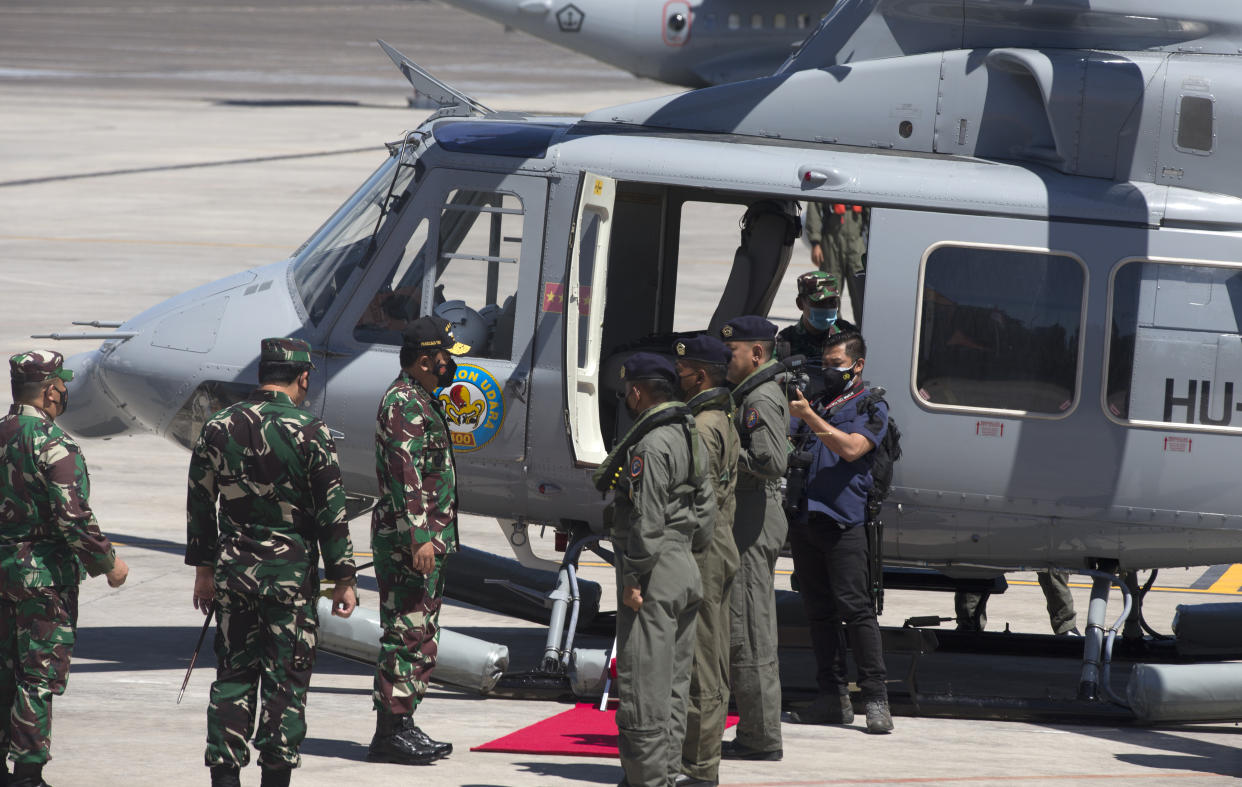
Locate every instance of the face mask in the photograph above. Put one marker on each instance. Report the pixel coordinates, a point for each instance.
(821, 319)
(445, 373)
(837, 380)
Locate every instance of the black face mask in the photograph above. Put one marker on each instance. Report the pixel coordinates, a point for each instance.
(836, 381)
(445, 373)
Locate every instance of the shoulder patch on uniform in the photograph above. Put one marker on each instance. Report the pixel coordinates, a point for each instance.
(636, 467)
(751, 419)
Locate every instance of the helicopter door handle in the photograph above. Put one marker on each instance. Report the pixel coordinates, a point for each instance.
(517, 387)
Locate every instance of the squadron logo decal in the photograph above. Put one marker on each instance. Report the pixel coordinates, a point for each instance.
(752, 418)
(569, 19)
(636, 467)
(474, 407)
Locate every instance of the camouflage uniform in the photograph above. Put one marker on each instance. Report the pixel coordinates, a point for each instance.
(418, 504)
(718, 563)
(274, 470)
(803, 339)
(841, 232)
(48, 540)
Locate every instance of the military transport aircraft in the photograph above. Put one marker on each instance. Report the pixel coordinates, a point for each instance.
(684, 42)
(1054, 297)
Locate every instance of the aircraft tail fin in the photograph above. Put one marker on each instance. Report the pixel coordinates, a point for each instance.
(450, 100)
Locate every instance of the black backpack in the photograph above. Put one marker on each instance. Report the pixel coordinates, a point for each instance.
(887, 453)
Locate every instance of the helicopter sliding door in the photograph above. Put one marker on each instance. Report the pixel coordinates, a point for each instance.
(584, 317)
(465, 248)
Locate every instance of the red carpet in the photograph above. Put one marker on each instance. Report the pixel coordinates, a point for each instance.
(584, 731)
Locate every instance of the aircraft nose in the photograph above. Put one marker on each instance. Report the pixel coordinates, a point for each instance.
(94, 410)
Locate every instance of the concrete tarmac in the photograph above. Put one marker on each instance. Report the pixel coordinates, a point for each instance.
(149, 147)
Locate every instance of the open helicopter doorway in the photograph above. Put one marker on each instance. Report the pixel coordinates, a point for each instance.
(637, 281)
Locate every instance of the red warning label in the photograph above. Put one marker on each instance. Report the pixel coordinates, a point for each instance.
(990, 428)
(1177, 445)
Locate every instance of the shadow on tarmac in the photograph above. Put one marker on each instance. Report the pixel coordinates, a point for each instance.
(1188, 754)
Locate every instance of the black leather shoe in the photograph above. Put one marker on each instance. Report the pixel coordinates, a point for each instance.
(442, 748)
(732, 750)
(879, 718)
(27, 775)
(393, 742)
(825, 710)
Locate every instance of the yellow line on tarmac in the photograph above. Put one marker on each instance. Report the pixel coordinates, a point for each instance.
(1229, 582)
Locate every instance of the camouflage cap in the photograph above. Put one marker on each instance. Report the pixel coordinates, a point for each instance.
(36, 366)
(818, 286)
(433, 333)
(287, 350)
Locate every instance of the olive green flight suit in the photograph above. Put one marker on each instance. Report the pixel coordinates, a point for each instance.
(662, 510)
(709, 677)
(842, 237)
(759, 528)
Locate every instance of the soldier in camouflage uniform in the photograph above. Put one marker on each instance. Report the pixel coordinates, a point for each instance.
(759, 527)
(702, 369)
(819, 300)
(662, 512)
(48, 540)
(413, 530)
(274, 471)
(838, 238)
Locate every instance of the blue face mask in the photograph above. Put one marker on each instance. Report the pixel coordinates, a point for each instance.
(821, 319)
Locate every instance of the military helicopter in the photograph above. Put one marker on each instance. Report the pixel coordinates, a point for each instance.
(684, 42)
(1054, 294)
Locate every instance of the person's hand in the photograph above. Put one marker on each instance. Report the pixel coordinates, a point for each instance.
(799, 408)
(632, 598)
(817, 254)
(119, 573)
(344, 598)
(204, 588)
(425, 559)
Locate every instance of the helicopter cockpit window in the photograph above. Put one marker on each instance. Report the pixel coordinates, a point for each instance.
(476, 272)
(1000, 330)
(399, 301)
(326, 262)
(1174, 350)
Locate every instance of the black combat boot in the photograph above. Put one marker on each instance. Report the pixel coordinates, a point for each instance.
(27, 774)
(394, 743)
(276, 777)
(225, 776)
(441, 748)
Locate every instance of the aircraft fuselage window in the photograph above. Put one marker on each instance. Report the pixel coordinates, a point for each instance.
(337, 249)
(735, 22)
(474, 281)
(399, 301)
(779, 22)
(1000, 329)
(756, 21)
(1175, 345)
(804, 21)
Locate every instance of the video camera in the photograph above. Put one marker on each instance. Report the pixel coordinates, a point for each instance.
(797, 377)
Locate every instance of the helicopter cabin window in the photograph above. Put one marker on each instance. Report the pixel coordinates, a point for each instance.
(1175, 345)
(473, 283)
(399, 301)
(1000, 329)
(325, 262)
(1195, 125)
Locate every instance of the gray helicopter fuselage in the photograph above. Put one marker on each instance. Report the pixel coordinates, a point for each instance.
(1053, 291)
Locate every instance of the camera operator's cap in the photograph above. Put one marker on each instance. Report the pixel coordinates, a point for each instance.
(703, 348)
(750, 328)
(648, 366)
(818, 286)
(35, 366)
(433, 333)
(287, 350)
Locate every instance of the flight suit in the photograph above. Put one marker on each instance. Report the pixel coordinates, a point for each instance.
(709, 676)
(759, 528)
(418, 504)
(840, 231)
(662, 511)
(48, 539)
(273, 468)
